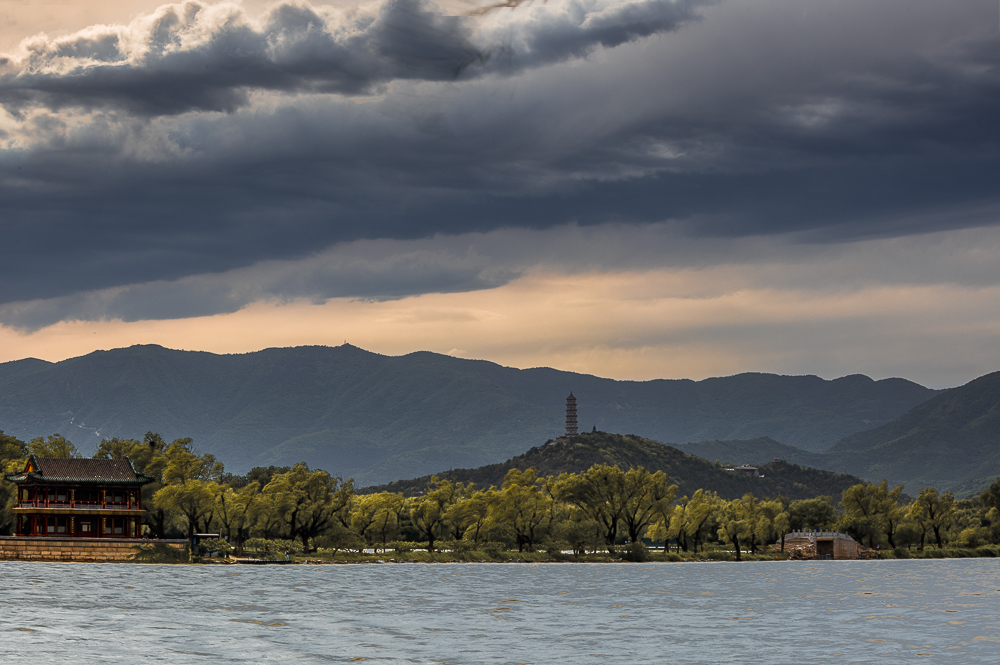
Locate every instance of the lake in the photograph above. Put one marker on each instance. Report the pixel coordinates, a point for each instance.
(768, 612)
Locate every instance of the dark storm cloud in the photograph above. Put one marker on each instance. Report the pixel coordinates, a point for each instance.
(377, 271)
(859, 119)
(199, 57)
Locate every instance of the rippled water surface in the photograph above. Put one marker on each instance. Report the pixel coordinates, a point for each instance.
(780, 612)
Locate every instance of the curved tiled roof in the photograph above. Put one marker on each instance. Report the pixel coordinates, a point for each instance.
(79, 469)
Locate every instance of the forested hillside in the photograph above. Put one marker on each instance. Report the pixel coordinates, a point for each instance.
(951, 442)
(754, 451)
(379, 418)
(690, 473)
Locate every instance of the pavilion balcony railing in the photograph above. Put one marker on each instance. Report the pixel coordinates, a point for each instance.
(81, 505)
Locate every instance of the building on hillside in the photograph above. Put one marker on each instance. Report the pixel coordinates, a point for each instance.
(571, 429)
(747, 470)
(78, 498)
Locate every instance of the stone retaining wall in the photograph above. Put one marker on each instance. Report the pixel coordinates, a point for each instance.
(19, 548)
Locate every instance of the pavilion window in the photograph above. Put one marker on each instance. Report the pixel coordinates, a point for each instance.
(61, 494)
(86, 527)
(118, 526)
(61, 524)
(50, 524)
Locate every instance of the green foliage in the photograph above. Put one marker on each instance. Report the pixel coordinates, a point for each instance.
(338, 537)
(189, 485)
(525, 506)
(872, 513)
(404, 546)
(309, 503)
(636, 553)
(817, 513)
(212, 545)
(12, 448)
(934, 513)
(271, 548)
(159, 553)
(376, 517)
(13, 454)
(56, 445)
(737, 521)
(429, 513)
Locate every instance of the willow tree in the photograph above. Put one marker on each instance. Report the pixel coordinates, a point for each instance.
(872, 511)
(737, 521)
(618, 500)
(649, 496)
(429, 512)
(233, 508)
(525, 506)
(310, 501)
(190, 484)
(470, 514)
(934, 512)
(698, 516)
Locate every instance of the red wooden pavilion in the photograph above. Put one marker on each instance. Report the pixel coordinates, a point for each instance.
(79, 497)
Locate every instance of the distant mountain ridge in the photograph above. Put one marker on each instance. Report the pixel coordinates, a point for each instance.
(950, 442)
(378, 418)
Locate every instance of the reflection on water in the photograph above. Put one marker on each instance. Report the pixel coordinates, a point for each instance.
(773, 612)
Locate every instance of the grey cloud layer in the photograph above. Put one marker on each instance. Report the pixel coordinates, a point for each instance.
(211, 57)
(390, 269)
(826, 121)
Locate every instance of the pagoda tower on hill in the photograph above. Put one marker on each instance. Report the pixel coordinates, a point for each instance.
(571, 415)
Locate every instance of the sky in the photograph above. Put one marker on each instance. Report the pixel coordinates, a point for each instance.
(635, 189)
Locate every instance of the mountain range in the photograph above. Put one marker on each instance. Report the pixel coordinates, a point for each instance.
(950, 442)
(379, 418)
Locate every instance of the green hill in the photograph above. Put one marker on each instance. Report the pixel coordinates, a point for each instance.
(378, 418)
(951, 442)
(689, 472)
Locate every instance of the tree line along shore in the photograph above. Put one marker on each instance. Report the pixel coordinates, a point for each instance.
(604, 513)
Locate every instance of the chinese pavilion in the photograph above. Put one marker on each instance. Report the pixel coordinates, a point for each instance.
(79, 498)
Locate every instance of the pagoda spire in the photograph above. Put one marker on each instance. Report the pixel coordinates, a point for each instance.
(571, 415)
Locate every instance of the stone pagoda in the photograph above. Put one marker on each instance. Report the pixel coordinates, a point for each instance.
(570, 416)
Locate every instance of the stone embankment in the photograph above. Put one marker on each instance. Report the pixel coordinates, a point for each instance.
(93, 550)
